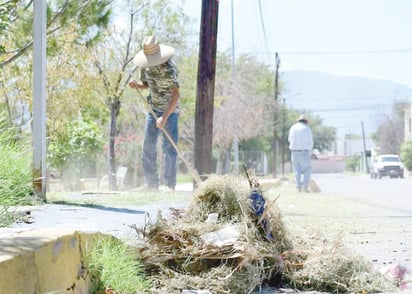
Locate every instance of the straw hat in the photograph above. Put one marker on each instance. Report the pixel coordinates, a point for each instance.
(153, 53)
(302, 118)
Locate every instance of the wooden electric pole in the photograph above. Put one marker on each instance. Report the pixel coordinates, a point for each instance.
(276, 122)
(206, 88)
(283, 137)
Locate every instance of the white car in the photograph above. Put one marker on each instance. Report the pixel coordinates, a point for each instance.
(387, 165)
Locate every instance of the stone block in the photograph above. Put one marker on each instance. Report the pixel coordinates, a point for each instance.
(45, 261)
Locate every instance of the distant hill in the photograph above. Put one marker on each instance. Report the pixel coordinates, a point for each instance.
(343, 102)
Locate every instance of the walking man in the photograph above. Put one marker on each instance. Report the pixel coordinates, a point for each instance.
(301, 145)
(159, 74)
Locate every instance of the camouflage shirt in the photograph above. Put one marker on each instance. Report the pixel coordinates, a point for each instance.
(161, 79)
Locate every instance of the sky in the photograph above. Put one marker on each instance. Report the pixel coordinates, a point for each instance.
(365, 38)
(352, 38)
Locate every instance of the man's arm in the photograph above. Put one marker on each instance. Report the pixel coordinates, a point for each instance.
(161, 121)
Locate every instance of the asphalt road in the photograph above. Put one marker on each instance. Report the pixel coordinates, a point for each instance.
(395, 194)
(381, 226)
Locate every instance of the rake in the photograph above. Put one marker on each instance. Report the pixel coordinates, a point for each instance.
(192, 170)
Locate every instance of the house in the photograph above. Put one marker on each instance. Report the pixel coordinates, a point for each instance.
(408, 123)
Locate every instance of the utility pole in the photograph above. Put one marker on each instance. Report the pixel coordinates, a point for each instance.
(39, 98)
(235, 140)
(276, 123)
(206, 88)
(364, 149)
(283, 136)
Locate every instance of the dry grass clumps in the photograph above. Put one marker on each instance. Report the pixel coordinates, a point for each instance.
(231, 255)
(319, 264)
(243, 249)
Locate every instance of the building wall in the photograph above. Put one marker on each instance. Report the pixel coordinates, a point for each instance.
(353, 146)
(408, 123)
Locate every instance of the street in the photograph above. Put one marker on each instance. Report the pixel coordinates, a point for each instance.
(395, 194)
(379, 223)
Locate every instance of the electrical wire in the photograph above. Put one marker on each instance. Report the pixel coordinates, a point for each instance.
(355, 52)
(262, 23)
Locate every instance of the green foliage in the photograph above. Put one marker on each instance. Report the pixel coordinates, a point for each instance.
(187, 66)
(112, 264)
(258, 75)
(352, 162)
(323, 136)
(127, 150)
(6, 17)
(76, 149)
(67, 21)
(406, 154)
(164, 18)
(6, 10)
(15, 175)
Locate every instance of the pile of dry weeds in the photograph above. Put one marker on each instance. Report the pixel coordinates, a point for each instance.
(320, 264)
(243, 249)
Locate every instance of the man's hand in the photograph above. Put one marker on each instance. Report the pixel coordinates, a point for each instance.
(161, 122)
(135, 85)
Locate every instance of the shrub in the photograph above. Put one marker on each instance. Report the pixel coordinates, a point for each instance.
(15, 175)
(75, 150)
(112, 264)
(406, 154)
(352, 162)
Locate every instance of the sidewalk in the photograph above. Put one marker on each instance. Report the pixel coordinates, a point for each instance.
(372, 232)
(111, 219)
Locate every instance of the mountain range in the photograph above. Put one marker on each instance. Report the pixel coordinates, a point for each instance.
(345, 102)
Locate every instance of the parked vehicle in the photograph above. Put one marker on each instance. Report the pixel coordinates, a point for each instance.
(387, 165)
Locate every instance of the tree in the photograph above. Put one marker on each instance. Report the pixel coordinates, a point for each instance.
(7, 15)
(85, 17)
(243, 105)
(244, 108)
(406, 154)
(70, 85)
(187, 80)
(323, 136)
(70, 26)
(390, 132)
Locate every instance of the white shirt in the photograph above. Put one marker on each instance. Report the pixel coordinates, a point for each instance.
(300, 137)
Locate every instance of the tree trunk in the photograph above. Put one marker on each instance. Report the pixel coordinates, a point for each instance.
(114, 112)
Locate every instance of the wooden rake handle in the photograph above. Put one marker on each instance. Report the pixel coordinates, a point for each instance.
(192, 170)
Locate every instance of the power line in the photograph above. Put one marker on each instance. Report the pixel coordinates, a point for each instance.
(317, 98)
(262, 23)
(355, 52)
(357, 108)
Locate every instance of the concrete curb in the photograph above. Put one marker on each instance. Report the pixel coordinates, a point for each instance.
(45, 261)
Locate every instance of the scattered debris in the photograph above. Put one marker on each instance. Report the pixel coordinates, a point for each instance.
(398, 274)
(25, 217)
(232, 239)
